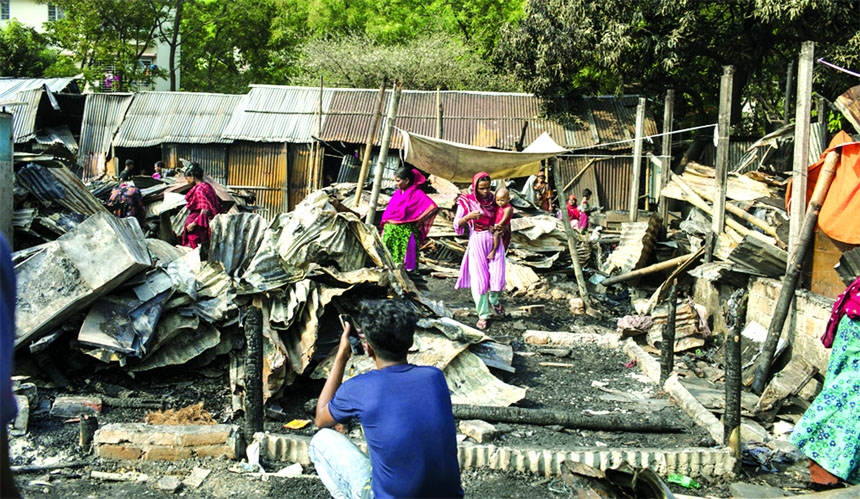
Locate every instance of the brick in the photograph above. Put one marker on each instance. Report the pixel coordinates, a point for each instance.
(205, 435)
(478, 430)
(163, 436)
(533, 309)
(171, 453)
(122, 452)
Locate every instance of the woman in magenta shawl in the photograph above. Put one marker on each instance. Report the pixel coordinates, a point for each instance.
(408, 217)
(202, 203)
(486, 278)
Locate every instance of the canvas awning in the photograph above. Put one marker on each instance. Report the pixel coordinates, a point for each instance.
(459, 162)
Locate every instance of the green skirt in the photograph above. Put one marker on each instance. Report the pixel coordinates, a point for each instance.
(396, 239)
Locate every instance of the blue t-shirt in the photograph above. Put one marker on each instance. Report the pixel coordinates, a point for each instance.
(8, 408)
(408, 422)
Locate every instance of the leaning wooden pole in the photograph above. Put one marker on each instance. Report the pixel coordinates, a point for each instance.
(718, 218)
(657, 267)
(368, 146)
(789, 284)
(383, 152)
(571, 243)
(667, 346)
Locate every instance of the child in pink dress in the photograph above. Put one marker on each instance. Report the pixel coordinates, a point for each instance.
(502, 224)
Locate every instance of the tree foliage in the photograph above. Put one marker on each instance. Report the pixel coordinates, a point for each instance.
(229, 45)
(646, 46)
(427, 62)
(23, 51)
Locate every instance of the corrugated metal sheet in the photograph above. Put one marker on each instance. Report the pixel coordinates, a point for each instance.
(211, 157)
(176, 117)
(24, 112)
(609, 179)
(262, 169)
(59, 135)
(10, 86)
(300, 159)
(278, 114)
(103, 114)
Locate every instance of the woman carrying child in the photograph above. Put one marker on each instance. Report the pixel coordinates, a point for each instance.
(485, 277)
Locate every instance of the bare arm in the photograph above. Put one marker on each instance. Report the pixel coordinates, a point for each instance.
(323, 417)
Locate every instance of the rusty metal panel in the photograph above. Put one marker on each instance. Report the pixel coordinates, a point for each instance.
(262, 169)
(211, 157)
(301, 169)
(180, 117)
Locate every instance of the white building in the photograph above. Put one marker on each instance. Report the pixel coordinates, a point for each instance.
(35, 14)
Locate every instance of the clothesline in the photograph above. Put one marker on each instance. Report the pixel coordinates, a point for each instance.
(673, 132)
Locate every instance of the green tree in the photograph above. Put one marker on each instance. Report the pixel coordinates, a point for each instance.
(110, 35)
(228, 45)
(646, 46)
(427, 62)
(23, 51)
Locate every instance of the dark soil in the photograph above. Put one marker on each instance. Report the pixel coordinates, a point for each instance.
(589, 381)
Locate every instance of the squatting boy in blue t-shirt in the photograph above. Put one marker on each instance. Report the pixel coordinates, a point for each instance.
(404, 409)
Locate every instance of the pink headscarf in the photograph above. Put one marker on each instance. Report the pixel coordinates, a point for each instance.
(411, 205)
(487, 206)
(848, 303)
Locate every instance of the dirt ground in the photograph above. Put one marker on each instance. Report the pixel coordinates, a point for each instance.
(587, 379)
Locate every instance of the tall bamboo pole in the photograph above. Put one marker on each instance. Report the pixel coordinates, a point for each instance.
(368, 146)
(633, 198)
(383, 153)
(718, 221)
(438, 113)
(789, 284)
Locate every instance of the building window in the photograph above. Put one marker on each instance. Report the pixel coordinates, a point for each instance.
(55, 12)
(4, 10)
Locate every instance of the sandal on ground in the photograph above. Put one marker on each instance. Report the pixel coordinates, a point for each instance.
(481, 324)
(499, 308)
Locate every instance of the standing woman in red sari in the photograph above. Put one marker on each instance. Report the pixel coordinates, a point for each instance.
(407, 218)
(202, 203)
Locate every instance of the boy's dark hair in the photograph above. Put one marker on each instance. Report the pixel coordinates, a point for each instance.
(586, 193)
(389, 327)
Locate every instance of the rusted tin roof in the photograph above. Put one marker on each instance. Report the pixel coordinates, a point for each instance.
(103, 114)
(21, 97)
(180, 117)
(486, 119)
(278, 114)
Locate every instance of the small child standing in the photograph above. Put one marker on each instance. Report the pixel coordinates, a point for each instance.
(502, 224)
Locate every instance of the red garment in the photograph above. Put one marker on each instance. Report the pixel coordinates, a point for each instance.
(848, 303)
(487, 206)
(200, 198)
(412, 205)
(503, 212)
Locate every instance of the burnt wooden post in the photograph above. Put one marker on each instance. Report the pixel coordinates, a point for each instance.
(368, 146)
(789, 284)
(253, 325)
(666, 158)
(383, 152)
(732, 348)
(724, 123)
(800, 164)
(667, 347)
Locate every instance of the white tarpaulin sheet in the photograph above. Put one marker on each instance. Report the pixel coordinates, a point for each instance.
(459, 162)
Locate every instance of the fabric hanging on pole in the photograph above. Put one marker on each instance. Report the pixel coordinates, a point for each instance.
(458, 162)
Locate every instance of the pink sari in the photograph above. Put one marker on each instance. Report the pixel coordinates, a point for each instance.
(476, 272)
(201, 197)
(411, 205)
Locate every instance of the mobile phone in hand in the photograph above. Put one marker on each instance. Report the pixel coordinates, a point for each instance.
(354, 339)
